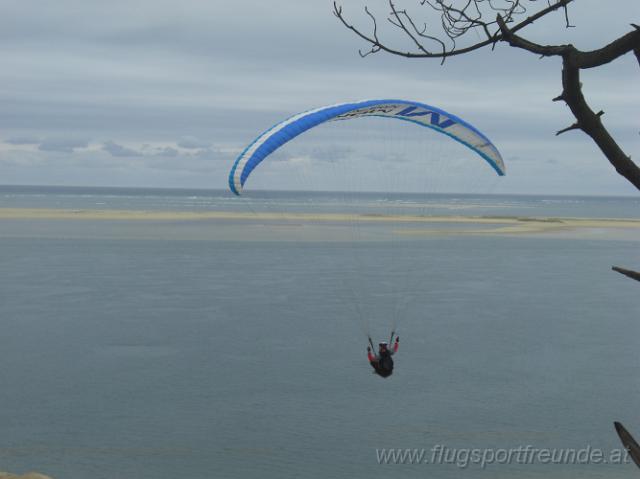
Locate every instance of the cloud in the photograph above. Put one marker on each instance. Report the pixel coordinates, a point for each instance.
(331, 153)
(218, 154)
(167, 152)
(193, 143)
(22, 140)
(167, 71)
(62, 145)
(119, 151)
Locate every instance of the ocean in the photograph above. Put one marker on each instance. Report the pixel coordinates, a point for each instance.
(235, 347)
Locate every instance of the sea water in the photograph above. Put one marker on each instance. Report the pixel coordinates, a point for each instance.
(168, 349)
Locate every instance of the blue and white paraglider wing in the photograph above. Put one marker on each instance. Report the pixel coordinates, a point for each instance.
(419, 113)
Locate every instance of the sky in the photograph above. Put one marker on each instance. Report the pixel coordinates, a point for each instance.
(158, 93)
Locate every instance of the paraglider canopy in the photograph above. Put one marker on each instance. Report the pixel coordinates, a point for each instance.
(415, 112)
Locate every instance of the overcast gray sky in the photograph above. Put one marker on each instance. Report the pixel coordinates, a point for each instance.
(166, 93)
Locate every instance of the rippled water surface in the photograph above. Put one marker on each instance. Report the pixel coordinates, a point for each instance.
(199, 355)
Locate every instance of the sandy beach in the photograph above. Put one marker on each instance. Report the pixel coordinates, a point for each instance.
(436, 224)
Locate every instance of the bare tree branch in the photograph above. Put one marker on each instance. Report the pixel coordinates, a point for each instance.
(595, 58)
(566, 17)
(460, 18)
(401, 25)
(636, 50)
(589, 122)
(628, 442)
(519, 42)
(422, 34)
(575, 126)
(455, 23)
(627, 272)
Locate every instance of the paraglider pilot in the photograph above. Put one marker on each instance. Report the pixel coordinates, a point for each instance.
(382, 362)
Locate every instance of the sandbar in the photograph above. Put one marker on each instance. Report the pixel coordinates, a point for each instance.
(434, 225)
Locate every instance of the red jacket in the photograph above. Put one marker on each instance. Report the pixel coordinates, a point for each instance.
(374, 357)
